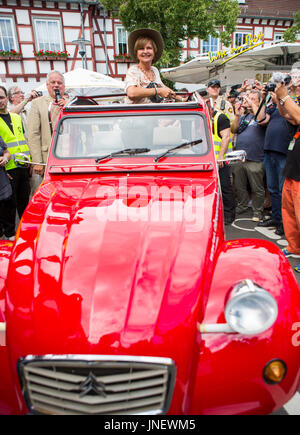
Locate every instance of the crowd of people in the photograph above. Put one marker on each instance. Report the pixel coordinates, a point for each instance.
(262, 119)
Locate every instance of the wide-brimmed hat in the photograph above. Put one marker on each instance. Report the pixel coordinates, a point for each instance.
(148, 33)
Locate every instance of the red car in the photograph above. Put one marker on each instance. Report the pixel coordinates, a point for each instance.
(120, 293)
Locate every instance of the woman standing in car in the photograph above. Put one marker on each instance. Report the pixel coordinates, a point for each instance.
(145, 47)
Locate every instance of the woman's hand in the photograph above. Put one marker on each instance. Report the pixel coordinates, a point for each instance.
(166, 92)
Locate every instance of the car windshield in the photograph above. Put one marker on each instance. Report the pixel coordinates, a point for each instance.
(148, 135)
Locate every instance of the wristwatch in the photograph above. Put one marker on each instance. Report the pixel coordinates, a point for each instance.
(283, 100)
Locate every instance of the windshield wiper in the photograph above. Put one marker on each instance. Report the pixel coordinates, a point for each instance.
(130, 151)
(182, 145)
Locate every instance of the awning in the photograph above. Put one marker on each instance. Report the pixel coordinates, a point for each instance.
(84, 82)
(275, 57)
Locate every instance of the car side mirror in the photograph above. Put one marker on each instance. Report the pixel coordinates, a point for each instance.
(235, 156)
(21, 160)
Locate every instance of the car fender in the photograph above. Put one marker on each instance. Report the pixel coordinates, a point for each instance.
(230, 368)
(8, 400)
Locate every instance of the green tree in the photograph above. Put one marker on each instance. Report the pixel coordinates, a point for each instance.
(290, 35)
(178, 20)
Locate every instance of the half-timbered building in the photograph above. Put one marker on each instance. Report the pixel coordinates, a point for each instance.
(39, 36)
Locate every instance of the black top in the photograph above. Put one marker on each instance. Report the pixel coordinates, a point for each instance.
(223, 123)
(7, 119)
(292, 168)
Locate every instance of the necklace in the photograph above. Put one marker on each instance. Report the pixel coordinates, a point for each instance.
(151, 79)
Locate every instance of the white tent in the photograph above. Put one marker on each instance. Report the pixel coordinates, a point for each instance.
(275, 57)
(84, 82)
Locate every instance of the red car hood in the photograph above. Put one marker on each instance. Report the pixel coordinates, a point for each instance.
(112, 265)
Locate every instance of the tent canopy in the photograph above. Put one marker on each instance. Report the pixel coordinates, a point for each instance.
(275, 57)
(84, 82)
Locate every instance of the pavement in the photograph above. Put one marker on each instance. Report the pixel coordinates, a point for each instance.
(244, 228)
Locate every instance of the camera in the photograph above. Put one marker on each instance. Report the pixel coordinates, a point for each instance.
(203, 93)
(233, 94)
(277, 77)
(40, 93)
(270, 87)
(156, 98)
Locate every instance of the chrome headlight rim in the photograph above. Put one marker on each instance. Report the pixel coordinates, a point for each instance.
(246, 292)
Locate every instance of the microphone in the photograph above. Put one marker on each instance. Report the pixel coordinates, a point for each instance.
(57, 95)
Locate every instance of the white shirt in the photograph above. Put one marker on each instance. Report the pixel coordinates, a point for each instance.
(135, 77)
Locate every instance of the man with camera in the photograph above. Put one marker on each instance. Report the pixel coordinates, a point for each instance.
(277, 139)
(250, 138)
(42, 119)
(18, 103)
(291, 189)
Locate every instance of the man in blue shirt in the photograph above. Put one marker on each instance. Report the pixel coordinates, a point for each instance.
(278, 136)
(250, 137)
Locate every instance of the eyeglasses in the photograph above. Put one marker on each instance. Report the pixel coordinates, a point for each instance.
(19, 92)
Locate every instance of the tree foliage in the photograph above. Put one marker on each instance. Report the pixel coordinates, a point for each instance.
(178, 20)
(290, 35)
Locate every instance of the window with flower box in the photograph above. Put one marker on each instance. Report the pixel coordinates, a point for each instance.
(121, 45)
(8, 40)
(48, 37)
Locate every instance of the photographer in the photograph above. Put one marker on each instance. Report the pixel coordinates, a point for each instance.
(17, 99)
(291, 188)
(278, 135)
(250, 137)
(17, 103)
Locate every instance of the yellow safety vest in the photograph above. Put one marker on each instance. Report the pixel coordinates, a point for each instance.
(216, 138)
(15, 140)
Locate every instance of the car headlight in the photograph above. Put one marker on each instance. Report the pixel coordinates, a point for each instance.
(251, 309)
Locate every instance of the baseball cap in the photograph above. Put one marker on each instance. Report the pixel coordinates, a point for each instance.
(214, 82)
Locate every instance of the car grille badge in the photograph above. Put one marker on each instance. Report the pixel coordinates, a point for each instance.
(92, 386)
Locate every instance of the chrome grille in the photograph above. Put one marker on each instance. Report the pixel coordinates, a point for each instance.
(92, 384)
